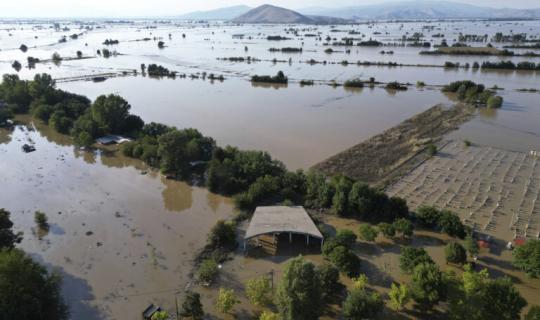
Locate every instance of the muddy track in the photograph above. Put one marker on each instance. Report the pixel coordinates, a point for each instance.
(391, 154)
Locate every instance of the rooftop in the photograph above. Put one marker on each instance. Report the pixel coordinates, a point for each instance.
(276, 219)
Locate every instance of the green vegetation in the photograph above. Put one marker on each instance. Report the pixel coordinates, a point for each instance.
(362, 304)
(387, 229)
(192, 307)
(431, 149)
(226, 300)
(494, 102)
(470, 245)
(299, 294)
(354, 83)
(527, 258)
(41, 220)
(280, 78)
(367, 232)
(455, 253)
(411, 257)
(428, 286)
(160, 315)
(470, 92)
(259, 291)
(445, 220)
(329, 278)
(307, 82)
(208, 271)
(399, 296)
(403, 226)
(533, 314)
(286, 50)
(396, 86)
(8, 239)
(155, 70)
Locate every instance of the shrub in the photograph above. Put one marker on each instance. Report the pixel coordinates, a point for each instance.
(41, 220)
(428, 216)
(455, 253)
(354, 83)
(367, 232)
(387, 229)
(431, 149)
(223, 234)
(527, 258)
(403, 226)
(450, 224)
(226, 300)
(329, 278)
(411, 257)
(428, 286)
(208, 270)
(258, 291)
(399, 296)
(494, 102)
(192, 307)
(361, 304)
(346, 261)
(346, 238)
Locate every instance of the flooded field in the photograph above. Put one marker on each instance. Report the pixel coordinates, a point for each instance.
(121, 239)
(123, 236)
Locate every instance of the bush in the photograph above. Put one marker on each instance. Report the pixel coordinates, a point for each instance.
(411, 257)
(226, 300)
(258, 291)
(41, 220)
(494, 102)
(387, 229)
(403, 226)
(208, 270)
(428, 216)
(527, 258)
(354, 83)
(367, 232)
(428, 286)
(192, 307)
(455, 253)
(533, 314)
(223, 234)
(278, 78)
(431, 149)
(361, 304)
(450, 224)
(329, 278)
(346, 238)
(345, 260)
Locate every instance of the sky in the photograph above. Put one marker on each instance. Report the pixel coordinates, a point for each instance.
(139, 8)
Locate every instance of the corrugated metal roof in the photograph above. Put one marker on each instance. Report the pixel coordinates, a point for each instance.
(278, 219)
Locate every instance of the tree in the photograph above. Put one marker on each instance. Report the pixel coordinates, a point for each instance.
(451, 224)
(342, 187)
(5, 115)
(258, 291)
(533, 314)
(387, 229)
(403, 226)
(346, 237)
(226, 300)
(411, 257)
(160, 315)
(346, 261)
(223, 234)
(471, 245)
(27, 289)
(527, 258)
(298, 294)
(360, 282)
(367, 232)
(455, 253)
(41, 220)
(110, 112)
(267, 315)
(428, 286)
(361, 304)
(192, 307)
(207, 271)
(8, 239)
(494, 102)
(329, 278)
(501, 300)
(399, 296)
(428, 216)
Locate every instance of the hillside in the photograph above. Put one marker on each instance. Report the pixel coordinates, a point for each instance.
(272, 14)
(422, 10)
(226, 13)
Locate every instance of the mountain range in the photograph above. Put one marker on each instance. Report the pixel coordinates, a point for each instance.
(404, 10)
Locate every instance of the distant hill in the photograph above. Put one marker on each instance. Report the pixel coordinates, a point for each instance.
(272, 14)
(424, 9)
(226, 13)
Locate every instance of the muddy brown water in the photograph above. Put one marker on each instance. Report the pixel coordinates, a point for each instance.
(121, 239)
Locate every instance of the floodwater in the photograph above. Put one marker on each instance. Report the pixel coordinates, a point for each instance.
(121, 239)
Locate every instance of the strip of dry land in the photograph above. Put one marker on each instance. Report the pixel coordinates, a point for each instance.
(388, 156)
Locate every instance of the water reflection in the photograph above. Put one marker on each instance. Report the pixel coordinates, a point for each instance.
(487, 113)
(177, 196)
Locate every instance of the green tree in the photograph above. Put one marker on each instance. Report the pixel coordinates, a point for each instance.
(226, 300)
(501, 300)
(346, 261)
(41, 220)
(367, 232)
(329, 277)
(428, 286)
(223, 234)
(8, 239)
(428, 216)
(533, 314)
(471, 245)
(258, 291)
(299, 293)
(267, 315)
(27, 289)
(411, 257)
(387, 229)
(346, 237)
(451, 224)
(340, 200)
(403, 226)
(527, 258)
(399, 296)
(192, 307)
(160, 315)
(207, 271)
(110, 112)
(455, 253)
(361, 304)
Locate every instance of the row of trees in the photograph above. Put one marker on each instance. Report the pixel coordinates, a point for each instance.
(470, 92)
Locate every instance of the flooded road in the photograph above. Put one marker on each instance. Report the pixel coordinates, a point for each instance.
(120, 238)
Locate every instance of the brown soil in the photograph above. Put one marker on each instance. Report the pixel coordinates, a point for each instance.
(387, 156)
